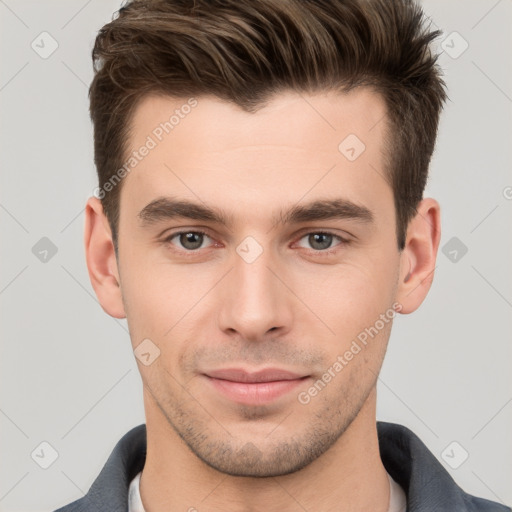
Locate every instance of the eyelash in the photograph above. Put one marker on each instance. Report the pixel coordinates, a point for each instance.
(326, 252)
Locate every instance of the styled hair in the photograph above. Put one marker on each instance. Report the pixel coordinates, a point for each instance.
(245, 51)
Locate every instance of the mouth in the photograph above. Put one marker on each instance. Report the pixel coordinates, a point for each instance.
(254, 388)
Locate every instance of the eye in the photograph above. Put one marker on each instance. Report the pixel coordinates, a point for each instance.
(188, 240)
(321, 241)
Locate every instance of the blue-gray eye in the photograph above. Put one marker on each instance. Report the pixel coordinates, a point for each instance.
(320, 241)
(189, 240)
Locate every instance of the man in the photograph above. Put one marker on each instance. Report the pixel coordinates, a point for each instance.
(260, 221)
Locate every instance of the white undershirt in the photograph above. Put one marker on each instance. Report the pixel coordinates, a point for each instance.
(397, 500)
(134, 501)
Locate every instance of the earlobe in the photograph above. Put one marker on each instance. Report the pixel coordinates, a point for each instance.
(101, 259)
(418, 259)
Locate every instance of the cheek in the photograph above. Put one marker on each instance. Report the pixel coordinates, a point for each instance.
(162, 302)
(149, 297)
(349, 298)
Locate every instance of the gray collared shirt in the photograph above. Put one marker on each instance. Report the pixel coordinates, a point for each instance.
(426, 483)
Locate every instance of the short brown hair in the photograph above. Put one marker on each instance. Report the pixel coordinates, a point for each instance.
(244, 51)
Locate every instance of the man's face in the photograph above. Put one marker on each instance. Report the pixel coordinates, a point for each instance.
(266, 290)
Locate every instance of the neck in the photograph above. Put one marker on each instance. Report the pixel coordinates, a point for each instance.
(349, 476)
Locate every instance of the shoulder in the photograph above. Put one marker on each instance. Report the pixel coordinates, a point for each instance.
(427, 484)
(109, 492)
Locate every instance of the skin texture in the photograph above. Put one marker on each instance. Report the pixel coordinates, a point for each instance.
(293, 307)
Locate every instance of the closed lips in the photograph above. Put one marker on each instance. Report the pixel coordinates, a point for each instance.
(267, 375)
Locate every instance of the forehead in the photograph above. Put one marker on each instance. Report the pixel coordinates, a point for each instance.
(213, 120)
(295, 145)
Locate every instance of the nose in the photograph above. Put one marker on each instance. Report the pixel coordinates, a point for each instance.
(255, 301)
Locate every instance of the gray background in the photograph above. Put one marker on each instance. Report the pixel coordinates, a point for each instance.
(68, 376)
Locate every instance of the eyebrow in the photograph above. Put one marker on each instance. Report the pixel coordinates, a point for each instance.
(168, 208)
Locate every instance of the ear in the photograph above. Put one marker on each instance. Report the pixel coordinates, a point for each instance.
(418, 258)
(101, 259)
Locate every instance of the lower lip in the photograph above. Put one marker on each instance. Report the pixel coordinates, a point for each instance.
(255, 393)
